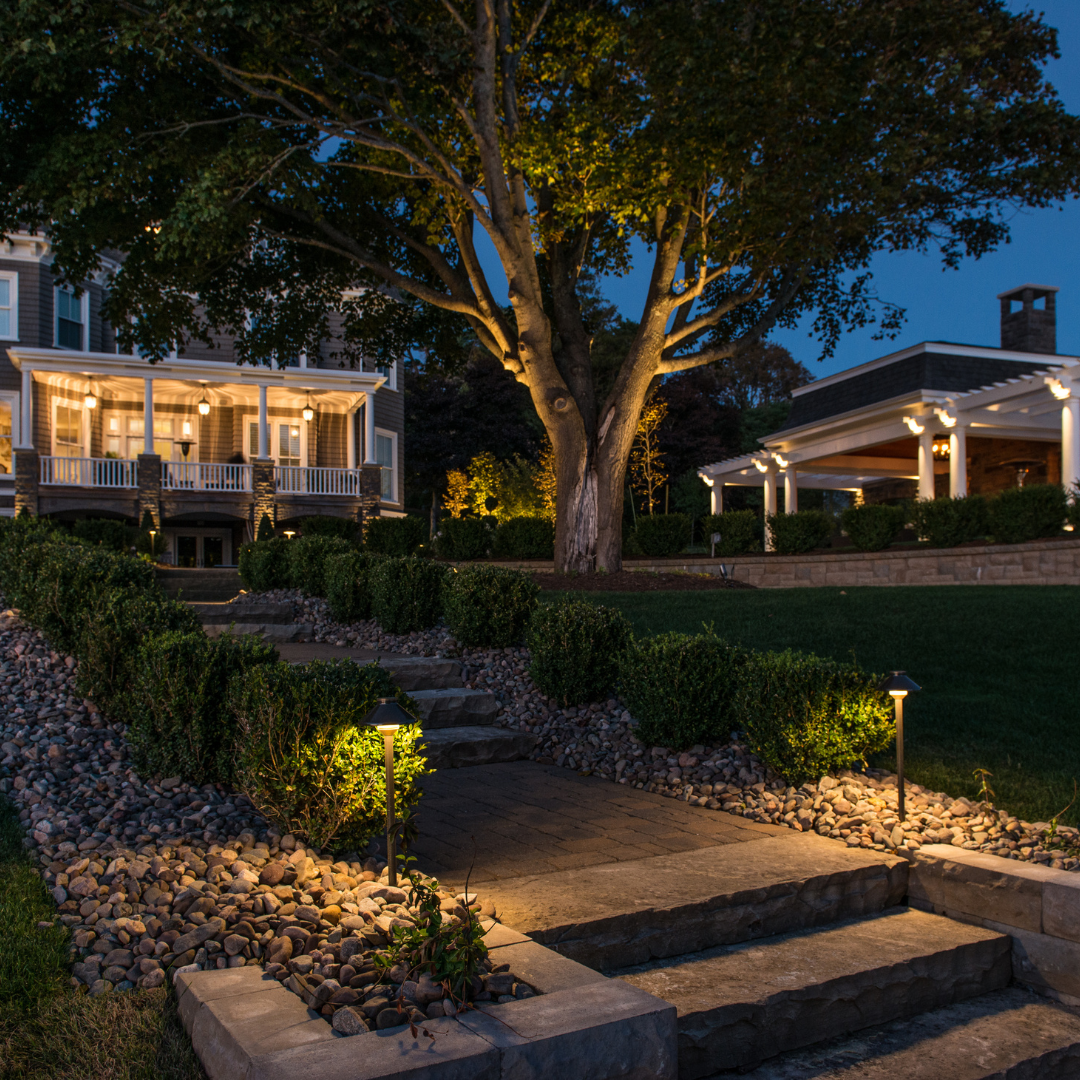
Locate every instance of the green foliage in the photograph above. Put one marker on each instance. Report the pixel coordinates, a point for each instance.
(266, 529)
(575, 648)
(145, 544)
(407, 594)
(306, 556)
(1028, 513)
(489, 605)
(1072, 512)
(947, 522)
(324, 525)
(793, 534)
(805, 716)
(395, 536)
(463, 539)
(179, 723)
(873, 526)
(308, 763)
(348, 588)
(740, 532)
(682, 688)
(525, 538)
(660, 535)
(690, 495)
(107, 532)
(264, 565)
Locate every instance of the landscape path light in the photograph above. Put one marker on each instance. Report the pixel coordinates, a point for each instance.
(898, 686)
(386, 718)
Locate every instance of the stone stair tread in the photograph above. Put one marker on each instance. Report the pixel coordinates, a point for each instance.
(461, 747)
(456, 707)
(1010, 1034)
(227, 612)
(740, 1004)
(273, 633)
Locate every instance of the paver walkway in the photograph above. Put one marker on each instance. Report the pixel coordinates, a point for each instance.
(522, 818)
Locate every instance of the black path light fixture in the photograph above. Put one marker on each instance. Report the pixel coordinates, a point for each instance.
(898, 686)
(386, 718)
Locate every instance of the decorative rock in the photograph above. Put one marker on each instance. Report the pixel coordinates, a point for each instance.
(390, 1018)
(349, 1021)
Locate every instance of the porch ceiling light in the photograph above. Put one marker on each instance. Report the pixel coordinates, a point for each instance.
(90, 401)
(1058, 389)
(761, 466)
(204, 407)
(898, 686)
(945, 418)
(781, 461)
(386, 718)
(308, 413)
(913, 425)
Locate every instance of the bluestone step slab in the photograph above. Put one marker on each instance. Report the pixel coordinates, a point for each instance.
(616, 915)
(460, 747)
(221, 614)
(419, 673)
(1006, 1035)
(741, 1004)
(271, 632)
(456, 708)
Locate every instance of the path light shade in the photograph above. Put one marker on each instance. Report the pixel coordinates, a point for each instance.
(386, 718)
(898, 686)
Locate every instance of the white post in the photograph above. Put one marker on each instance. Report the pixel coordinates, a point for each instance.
(148, 416)
(1070, 442)
(791, 491)
(263, 438)
(350, 439)
(769, 489)
(369, 428)
(958, 461)
(716, 497)
(26, 411)
(926, 465)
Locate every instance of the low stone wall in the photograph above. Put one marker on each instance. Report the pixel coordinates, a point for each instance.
(1037, 906)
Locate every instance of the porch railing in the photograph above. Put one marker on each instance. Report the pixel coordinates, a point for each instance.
(299, 480)
(204, 476)
(89, 472)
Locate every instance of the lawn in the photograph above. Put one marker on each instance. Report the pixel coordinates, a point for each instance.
(999, 668)
(46, 1031)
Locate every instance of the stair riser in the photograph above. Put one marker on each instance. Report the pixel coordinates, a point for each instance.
(466, 753)
(456, 710)
(1063, 1064)
(740, 1035)
(434, 674)
(726, 919)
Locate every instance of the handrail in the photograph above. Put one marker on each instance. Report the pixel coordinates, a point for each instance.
(89, 472)
(205, 476)
(302, 480)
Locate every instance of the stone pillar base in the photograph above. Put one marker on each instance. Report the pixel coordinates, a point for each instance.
(27, 477)
(262, 487)
(149, 498)
(370, 494)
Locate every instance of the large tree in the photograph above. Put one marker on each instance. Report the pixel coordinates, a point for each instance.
(256, 159)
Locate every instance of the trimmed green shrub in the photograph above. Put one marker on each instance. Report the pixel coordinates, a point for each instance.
(266, 529)
(465, 538)
(805, 716)
(395, 536)
(805, 530)
(488, 605)
(575, 649)
(264, 565)
(740, 532)
(1072, 512)
(321, 525)
(873, 526)
(407, 594)
(659, 535)
(682, 688)
(179, 723)
(307, 557)
(307, 763)
(110, 533)
(947, 522)
(525, 538)
(1028, 513)
(348, 588)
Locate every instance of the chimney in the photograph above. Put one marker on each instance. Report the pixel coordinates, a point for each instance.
(1029, 329)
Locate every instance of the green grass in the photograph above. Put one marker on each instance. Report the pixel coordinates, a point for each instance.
(46, 1031)
(999, 668)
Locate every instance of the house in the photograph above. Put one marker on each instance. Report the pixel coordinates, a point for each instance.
(932, 420)
(230, 442)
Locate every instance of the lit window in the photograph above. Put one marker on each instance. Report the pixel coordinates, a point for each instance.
(9, 301)
(68, 432)
(384, 455)
(288, 444)
(5, 436)
(69, 319)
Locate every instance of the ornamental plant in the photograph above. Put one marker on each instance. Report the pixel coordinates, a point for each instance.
(1034, 512)
(950, 521)
(872, 527)
(660, 535)
(264, 564)
(462, 539)
(795, 534)
(488, 605)
(740, 532)
(395, 536)
(348, 585)
(306, 561)
(525, 538)
(407, 594)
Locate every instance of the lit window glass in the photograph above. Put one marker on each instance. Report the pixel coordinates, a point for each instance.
(5, 436)
(384, 455)
(5, 310)
(69, 319)
(68, 432)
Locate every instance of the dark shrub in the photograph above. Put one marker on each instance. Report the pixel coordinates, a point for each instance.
(340, 527)
(406, 594)
(659, 535)
(179, 721)
(395, 536)
(525, 538)
(465, 538)
(489, 605)
(307, 557)
(266, 529)
(1028, 513)
(264, 565)
(948, 522)
(575, 649)
(1072, 513)
(682, 688)
(805, 530)
(872, 527)
(348, 588)
(105, 532)
(740, 532)
(806, 717)
(308, 763)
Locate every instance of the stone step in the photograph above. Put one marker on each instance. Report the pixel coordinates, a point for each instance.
(426, 673)
(1006, 1035)
(459, 747)
(741, 1004)
(223, 613)
(455, 708)
(615, 915)
(201, 584)
(273, 633)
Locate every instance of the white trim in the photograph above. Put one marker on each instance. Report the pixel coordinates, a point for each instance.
(392, 513)
(84, 317)
(12, 276)
(394, 470)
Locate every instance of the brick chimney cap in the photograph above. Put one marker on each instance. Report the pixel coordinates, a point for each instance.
(1038, 290)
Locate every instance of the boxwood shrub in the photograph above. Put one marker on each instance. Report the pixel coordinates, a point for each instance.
(575, 648)
(465, 538)
(407, 594)
(264, 564)
(740, 532)
(659, 535)
(108, 532)
(682, 688)
(1034, 512)
(873, 526)
(488, 605)
(307, 557)
(525, 538)
(395, 536)
(348, 585)
(795, 534)
(948, 522)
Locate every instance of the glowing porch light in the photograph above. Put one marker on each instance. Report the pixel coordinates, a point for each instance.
(913, 425)
(1058, 389)
(204, 407)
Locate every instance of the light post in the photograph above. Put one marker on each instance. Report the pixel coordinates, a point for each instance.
(386, 718)
(898, 686)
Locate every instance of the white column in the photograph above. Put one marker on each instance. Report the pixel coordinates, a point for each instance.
(369, 428)
(263, 439)
(1070, 442)
(770, 502)
(716, 497)
(148, 416)
(791, 491)
(958, 462)
(350, 439)
(926, 465)
(26, 411)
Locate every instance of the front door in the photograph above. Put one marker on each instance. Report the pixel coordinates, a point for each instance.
(207, 548)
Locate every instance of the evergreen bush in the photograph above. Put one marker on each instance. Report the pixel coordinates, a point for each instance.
(873, 526)
(395, 536)
(407, 594)
(661, 535)
(110, 533)
(575, 648)
(348, 587)
(489, 605)
(795, 534)
(1034, 512)
(307, 557)
(264, 564)
(525, 538)
(324, 525)
(944, 523)
(266, 529)
(463, 539)
(740, 532)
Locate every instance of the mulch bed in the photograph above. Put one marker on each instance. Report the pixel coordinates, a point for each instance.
(634, 581)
